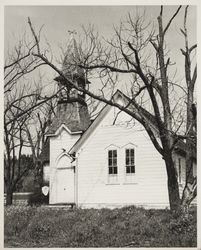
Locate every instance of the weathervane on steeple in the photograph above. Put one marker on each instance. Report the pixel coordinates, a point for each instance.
(72, 33)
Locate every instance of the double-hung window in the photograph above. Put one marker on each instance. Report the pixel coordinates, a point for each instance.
(130, 161)
(112, 166)
(112, 162)
(130, 165)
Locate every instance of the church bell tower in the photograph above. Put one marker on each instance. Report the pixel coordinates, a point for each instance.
(72, 108)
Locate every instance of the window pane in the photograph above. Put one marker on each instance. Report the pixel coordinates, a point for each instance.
(132, 169)
(127, 161)
(110, 153)
(110, 170)
(114, 153)
(114, 161)
(132, 160)
(115, 170)
(132, 152)
(127, 152)
(128, 170)
(110, 162)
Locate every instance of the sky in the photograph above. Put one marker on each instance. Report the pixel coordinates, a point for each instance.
(57, 20)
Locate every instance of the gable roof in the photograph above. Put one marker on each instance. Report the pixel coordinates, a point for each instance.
(72, 126)
(100, 117)
(180, 146)
(90, 129)
(73, 116)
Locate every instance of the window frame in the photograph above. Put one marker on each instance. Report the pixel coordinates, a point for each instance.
(112, 162)
(130, 164)
(113, 176)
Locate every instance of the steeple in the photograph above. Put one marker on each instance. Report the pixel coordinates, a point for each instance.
(72, 58)
(72, 71)
(72, 110)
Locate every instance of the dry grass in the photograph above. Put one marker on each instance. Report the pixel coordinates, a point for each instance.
(129, 226)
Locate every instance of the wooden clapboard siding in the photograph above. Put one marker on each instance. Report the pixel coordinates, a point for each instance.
(150, 181)
(148, 186)
(64, 140)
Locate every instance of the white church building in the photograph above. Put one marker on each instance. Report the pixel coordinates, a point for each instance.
(110, 162)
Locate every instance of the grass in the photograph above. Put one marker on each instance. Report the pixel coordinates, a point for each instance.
(124, 227)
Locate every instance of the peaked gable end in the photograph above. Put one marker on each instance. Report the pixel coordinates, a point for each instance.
(120, 99)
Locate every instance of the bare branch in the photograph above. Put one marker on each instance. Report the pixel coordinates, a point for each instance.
(112, 69)
(194, 78)
(170, 21)
(192, 48)
(34, 34)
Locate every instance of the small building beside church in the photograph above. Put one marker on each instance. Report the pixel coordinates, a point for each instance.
(110, 162)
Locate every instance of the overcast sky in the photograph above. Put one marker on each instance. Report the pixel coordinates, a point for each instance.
(57, 20)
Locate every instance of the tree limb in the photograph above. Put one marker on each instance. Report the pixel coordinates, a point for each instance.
(170, 21)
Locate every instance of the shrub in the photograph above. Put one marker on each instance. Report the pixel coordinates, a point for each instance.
(38, 198)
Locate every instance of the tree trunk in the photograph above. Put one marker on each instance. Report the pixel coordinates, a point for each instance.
(190, 190)
(9, 196)
(173, 187)
(189, 193)
(190, 133)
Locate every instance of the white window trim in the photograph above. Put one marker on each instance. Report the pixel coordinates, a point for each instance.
(121, 171)
(129, 174)
(130, 178)
(112, 179)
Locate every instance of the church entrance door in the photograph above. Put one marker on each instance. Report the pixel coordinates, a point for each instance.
(65, 182)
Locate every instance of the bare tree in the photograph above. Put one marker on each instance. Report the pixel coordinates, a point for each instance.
(190, 189)
(141, 53)
(21, 99)
(36, 129)
(15, 141)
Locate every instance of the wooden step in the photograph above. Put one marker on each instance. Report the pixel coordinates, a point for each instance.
(60, 205)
